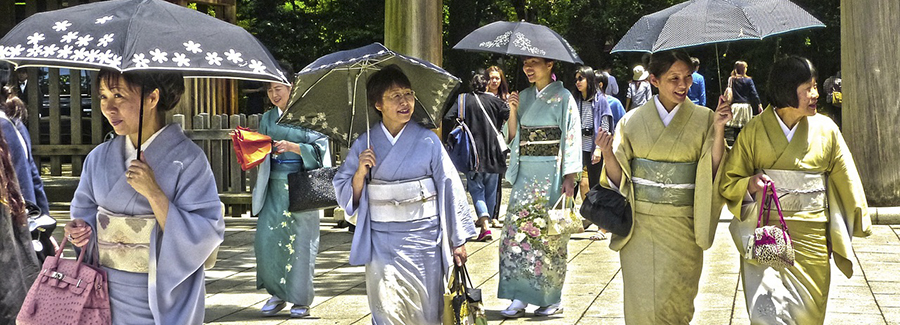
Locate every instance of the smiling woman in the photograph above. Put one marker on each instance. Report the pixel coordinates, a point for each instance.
(665, 161)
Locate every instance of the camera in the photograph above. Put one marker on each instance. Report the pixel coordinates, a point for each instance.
(587, 132)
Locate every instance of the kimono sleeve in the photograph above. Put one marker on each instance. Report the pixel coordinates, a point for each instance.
(453, 205)
(844, 178)
(343, 179)
(84, 204)
(738, 169)
(572, 159)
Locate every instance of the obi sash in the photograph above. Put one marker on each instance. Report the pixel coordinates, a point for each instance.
(662, 182)
(539, 140)
(799, 191)
(402, 201)
(124, 240)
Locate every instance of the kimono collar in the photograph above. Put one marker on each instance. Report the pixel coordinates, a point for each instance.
(390, 137)
(788, 133)
(665, 116)
(131, 151)
(550, 93)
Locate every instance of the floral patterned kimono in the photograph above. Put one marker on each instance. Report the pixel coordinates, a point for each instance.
(532, 263)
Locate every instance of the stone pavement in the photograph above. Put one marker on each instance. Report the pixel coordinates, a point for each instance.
(592, 292)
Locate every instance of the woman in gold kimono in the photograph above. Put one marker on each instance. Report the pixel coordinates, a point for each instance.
(820, 191)
(664, 159)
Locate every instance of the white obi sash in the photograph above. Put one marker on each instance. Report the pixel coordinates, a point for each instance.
(799, 191)
(402, 201)
(124, 240)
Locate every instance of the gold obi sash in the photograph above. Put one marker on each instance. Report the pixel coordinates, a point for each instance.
(402, 201)
(539, 140)
(124, 240)
(799, 191)
(661, 182)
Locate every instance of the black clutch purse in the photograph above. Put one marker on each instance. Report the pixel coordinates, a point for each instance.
(608, 210)
(312, 189)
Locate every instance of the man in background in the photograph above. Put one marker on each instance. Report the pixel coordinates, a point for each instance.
(697, 93)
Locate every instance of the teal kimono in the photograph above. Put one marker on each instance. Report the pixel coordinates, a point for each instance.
(286, 242)
(533, 263)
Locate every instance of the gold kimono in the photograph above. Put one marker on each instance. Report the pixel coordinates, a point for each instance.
(662, 256)
(798, 294)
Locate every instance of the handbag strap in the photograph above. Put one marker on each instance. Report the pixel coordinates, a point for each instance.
(488, 117)
(770, 195)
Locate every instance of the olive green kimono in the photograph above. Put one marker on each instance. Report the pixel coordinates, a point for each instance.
(662, 257)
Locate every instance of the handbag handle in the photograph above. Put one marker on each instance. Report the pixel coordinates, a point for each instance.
(769, 197)
(94, 255)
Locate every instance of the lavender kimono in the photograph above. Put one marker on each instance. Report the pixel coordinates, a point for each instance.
(173, 290)
(406, 261)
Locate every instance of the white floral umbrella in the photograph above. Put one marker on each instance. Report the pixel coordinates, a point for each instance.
(521, 39)
(145, 35)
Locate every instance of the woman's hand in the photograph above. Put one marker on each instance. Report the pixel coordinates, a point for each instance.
(142, 179)
(366, 162)
(597, 156)
(78, 232)
(568, 185)
(604, 141)
(757, 183)
(513, 102)
(283, 145)
(459, 255)
(723, 111)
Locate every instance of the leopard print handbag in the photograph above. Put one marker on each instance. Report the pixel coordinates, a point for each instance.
(772, 245)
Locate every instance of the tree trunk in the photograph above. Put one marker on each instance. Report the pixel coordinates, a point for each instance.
(871, 94)
(414, 28)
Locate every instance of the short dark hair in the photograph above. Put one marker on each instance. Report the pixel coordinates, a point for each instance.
(660, 62)
(170, 85)
(588, 74)
(601, 79)
(786, 75)
(478, 82)
(383, 80)
(695, 62)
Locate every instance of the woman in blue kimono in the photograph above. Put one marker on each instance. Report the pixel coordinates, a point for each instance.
(412, 216)
(286, 241)
(545, 127)
(154, 220)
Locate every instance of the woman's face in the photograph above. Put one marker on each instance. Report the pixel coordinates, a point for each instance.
(397, 104)
(279, 94)
(807, 97)
(673, 84)
(580, 83)
(121, 104)
(536, 69)
(494, 82)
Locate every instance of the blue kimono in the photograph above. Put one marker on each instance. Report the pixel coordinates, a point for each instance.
(19, 142)
(414, 249)
(173, 291)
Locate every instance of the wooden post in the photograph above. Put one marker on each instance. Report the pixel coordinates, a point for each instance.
(869, 56)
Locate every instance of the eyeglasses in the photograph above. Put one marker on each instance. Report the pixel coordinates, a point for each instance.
(579, 78)
(399, 97)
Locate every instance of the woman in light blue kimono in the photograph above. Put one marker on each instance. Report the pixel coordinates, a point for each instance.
(544, 125)
(286, 241)
(157, 218)
(412, 216)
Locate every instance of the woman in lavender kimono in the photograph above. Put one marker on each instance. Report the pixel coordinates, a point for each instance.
(412, 216)
(544, 125)
(286, 241)
(154, 220)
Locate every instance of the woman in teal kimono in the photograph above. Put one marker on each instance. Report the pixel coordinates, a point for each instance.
(544, 126)
(286, 241)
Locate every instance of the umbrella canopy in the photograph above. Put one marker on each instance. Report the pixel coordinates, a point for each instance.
(698, 22)
(329, 95)
(145, 35)
(521, 39)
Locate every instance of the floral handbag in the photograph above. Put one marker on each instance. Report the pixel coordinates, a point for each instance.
(562, 219)
(772, 245)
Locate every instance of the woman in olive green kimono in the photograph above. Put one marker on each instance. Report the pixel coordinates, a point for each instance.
(544, 125)
(664, 159)
(820, 192)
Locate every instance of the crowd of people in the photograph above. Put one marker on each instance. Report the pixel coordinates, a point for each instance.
(675, 161)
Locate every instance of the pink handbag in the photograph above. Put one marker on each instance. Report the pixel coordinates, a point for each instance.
(772, 246)
(67, 292)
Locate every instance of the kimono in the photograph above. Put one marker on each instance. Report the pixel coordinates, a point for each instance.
(19, 142)
(533, 263)
(20, 265)
(406, 262)
(799, 294)
(286, 242)
(173, 290)
(662, 256)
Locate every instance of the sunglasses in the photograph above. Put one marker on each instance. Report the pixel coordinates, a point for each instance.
(579, 78)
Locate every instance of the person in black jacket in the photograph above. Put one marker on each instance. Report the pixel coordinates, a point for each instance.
(746, 102)
(485, 115)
